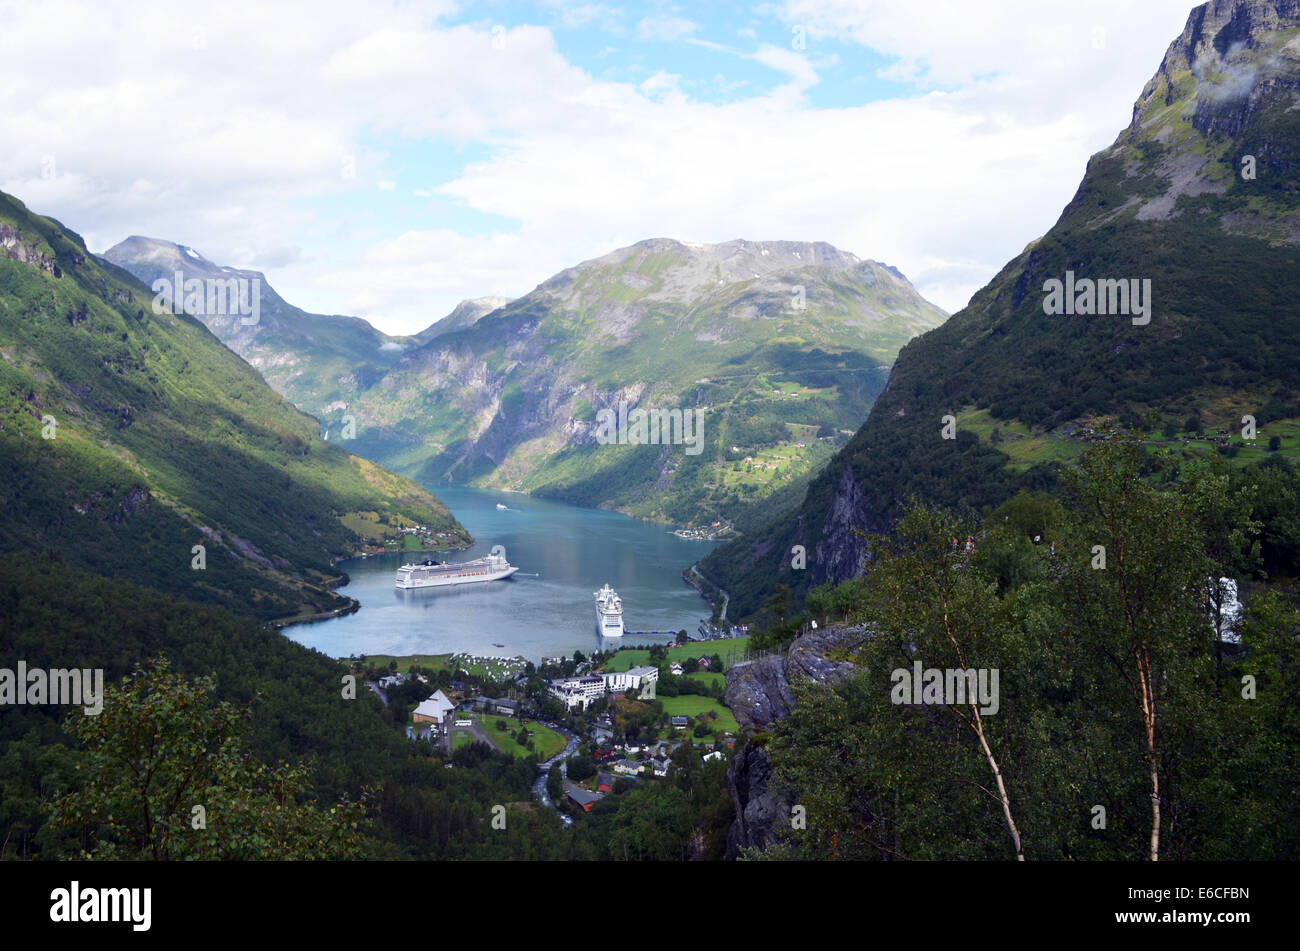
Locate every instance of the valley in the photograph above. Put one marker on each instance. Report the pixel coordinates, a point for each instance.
(781, 560)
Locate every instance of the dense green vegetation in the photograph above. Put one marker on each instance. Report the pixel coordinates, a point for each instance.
(129, 437)
(318, 362)
(1123, 728)
(510, 400)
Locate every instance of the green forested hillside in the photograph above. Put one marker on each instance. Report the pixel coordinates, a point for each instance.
(782, 346)
(319, 362)
(1123, 712)
(127, 437)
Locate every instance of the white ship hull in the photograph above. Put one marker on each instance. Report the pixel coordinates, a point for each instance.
(609, 613)
(451, 575)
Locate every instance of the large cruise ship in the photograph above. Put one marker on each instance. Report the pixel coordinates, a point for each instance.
(609, 613)
(431, 574)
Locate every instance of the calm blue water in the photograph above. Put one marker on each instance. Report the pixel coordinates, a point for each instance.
(564, 554)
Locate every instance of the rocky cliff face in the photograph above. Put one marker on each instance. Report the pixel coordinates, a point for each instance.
(842, 550)
(1230, 54)
(758, 693)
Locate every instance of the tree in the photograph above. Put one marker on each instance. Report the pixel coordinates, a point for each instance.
(501, 726)
(166, 776)
(940, 608)
(653, 824)
(1274, 443)
(581, 767)
(1136, 573)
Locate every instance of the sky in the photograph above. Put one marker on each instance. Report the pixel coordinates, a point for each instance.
(391, 159)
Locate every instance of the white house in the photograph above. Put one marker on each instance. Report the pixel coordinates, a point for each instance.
(676, 668)
(631, 679)
(434, 710)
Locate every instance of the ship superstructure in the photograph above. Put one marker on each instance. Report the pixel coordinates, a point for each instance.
(432, 574)
(609, 613)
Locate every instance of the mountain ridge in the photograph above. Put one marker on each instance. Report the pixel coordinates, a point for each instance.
(1199, 194)
(512, 400)
(137, 445)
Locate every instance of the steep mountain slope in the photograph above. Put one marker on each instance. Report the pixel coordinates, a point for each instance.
(780, 345)
(128, 436)
(466, 314)
(318, 362)
(1200, 196)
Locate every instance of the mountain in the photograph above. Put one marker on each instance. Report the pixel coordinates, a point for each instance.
(466, 314)
(1200, 197)
(319, 362)
(129, 435)
(776, 348)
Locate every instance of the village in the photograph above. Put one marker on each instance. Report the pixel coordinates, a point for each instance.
(594, 726)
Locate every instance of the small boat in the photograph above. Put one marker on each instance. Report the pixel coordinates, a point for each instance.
(498, 645)
(502, 508)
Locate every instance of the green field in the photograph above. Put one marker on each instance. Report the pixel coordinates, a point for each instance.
(547, 741)
(461, 738)
(708, 677)
(433, 662)
(1028, 446)
(730, 650)
(693, 706)
(627, 659)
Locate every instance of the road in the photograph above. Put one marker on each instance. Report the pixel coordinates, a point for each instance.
(476, 732)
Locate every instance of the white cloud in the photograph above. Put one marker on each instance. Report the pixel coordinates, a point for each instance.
(664, 28)
(794, 65)
(264, 147)
(577, 15)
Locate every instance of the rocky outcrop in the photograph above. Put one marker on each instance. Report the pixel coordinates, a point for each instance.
(759, 694)
(757, 807)
(14, 248)
(1226, 48)
(842, 549)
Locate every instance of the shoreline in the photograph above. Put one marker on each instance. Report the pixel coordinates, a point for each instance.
(673, 526)
(351, 607)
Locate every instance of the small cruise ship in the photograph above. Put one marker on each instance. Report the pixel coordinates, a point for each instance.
(609, 613)
(431, 574)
